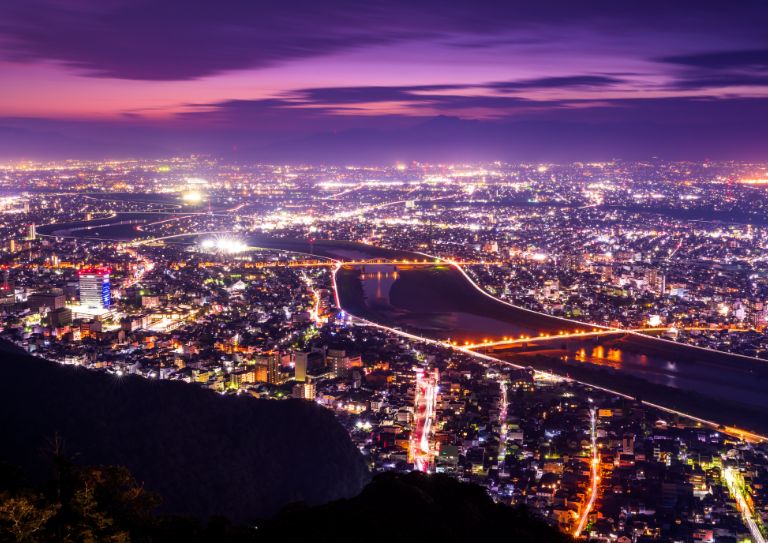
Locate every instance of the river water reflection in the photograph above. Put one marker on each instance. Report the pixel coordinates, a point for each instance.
(437, 302)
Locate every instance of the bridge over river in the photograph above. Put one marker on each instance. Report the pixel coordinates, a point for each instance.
(417, 294)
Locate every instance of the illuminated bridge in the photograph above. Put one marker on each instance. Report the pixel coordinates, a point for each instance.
(413, 262)
(579, 334)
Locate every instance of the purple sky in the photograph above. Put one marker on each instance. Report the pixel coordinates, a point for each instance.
(551, 80)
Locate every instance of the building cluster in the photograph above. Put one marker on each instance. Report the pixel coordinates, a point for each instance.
(144, 268)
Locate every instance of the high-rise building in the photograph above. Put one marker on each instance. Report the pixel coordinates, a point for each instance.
(300, 362)
(628, 444)
(338, 361)
(304, 391)
(32, 234)
(95, 290)
(341, 364)
(268, 368)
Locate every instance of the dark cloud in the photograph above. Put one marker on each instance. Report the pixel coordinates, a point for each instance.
(712, 81)
(369, 94)
(441, 95)
(278, 114)
(722, 60)
(183, 39)
(335, 108)
(177, 40)
(719, 69)
(557, 82)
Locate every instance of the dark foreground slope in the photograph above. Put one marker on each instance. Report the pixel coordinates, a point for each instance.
(104, 504)
(413, 508)
(204, 453)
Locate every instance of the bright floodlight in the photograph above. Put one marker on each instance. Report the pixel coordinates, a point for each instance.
(223, 244)
(192, 197)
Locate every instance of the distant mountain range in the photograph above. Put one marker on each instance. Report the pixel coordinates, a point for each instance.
(437, 139)
(453, 140)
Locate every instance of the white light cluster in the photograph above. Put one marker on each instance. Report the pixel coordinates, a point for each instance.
(223, 244)
(192, 197)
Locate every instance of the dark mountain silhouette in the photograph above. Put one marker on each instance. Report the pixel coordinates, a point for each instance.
(104, 503)
(415, 508)
(204, 453)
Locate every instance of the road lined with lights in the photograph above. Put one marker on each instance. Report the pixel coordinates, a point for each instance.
(747, 513)
(503, 427)
(594, 464)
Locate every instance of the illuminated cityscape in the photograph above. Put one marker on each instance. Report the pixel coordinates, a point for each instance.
(437, 271)
(336, 291)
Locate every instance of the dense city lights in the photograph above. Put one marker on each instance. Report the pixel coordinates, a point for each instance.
(547, 349)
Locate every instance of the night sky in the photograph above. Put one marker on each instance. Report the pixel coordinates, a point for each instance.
(370, 81)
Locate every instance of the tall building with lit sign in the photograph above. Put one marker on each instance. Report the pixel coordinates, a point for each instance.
(95, 289)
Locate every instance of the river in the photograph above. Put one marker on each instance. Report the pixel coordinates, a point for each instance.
(438, 302)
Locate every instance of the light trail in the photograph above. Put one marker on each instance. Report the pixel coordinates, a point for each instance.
(747, 513)
(420, 451)
(413, 262)
(544, 337)
(595, 476)
(148, 266)
(314, 312)
(140, 227)
(343, 193)
(503, 430)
